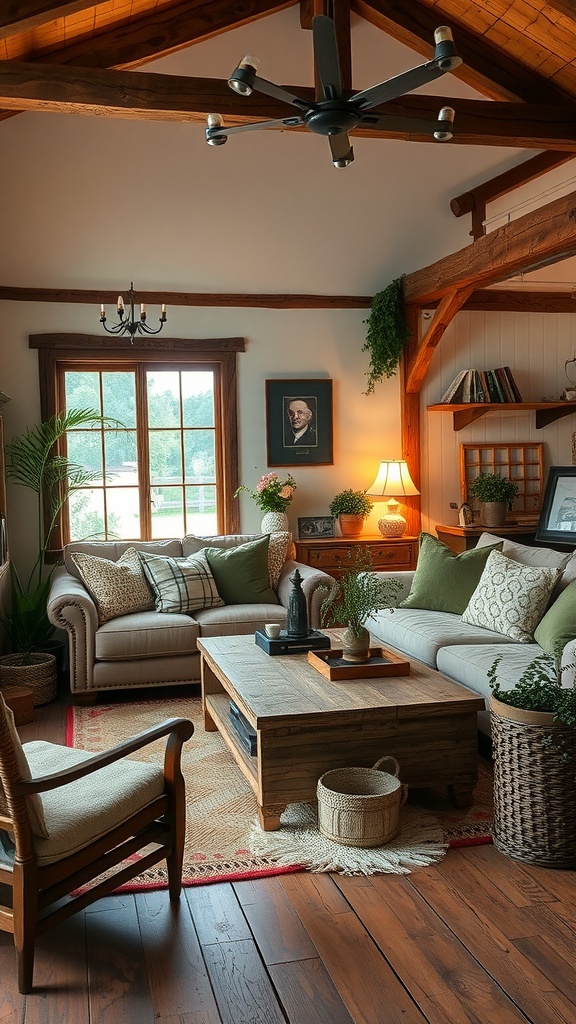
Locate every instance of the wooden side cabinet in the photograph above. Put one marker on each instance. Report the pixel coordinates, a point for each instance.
(332, 554)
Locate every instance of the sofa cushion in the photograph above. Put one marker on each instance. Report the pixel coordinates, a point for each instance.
(118, 588)
(146, 635)
(511, 598)
(420, 633)
(34, 802)
(566, 561)
(239, 618)
(280, 547)
(558, 626)
(469, 664)
(180, 584)
(444, 581)
(241, 573)
(113, 549)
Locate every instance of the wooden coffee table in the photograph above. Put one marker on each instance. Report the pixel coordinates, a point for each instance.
(307, 724)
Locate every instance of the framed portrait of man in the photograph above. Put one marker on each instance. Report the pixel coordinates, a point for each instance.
(299, 422)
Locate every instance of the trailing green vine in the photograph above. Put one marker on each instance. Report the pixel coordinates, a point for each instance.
(387, 333)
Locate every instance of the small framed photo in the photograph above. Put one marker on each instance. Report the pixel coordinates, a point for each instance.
(558, 518)
(315, 526)
(299, 422)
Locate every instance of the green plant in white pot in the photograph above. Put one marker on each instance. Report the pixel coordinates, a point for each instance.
(359, 593)
(533, 726)
(495, 494)
(351, 508)
(33, 460)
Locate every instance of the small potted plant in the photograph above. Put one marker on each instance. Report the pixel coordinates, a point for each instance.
(351, 508)
(533, 727)
(495, 494)
(359, 593)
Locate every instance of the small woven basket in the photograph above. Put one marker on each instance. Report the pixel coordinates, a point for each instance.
(361, 806)
(534, 787)
(39, 675)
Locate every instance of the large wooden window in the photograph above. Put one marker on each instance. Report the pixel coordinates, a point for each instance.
(170, 467)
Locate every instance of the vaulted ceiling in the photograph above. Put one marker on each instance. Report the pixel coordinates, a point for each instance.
(519, 54)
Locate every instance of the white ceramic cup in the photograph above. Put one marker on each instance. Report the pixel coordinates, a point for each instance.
(272, 630)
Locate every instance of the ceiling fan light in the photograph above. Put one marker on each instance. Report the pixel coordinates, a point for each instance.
(214, 122)
(445, 56)
(242, 79)
(443, 34)
(343, 161)
(445, 121)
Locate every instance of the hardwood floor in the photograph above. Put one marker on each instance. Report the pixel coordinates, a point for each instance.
(475, 938)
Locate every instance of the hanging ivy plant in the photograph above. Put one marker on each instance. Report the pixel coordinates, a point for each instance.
(387, 333)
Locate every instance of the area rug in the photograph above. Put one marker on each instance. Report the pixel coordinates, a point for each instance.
(222, 841)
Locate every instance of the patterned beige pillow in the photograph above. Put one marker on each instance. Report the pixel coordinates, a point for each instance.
(511, 598)
(180, 584)
(277, 554)
(34, 801)
(118, 588)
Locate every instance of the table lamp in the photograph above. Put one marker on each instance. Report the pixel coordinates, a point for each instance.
(393, 480)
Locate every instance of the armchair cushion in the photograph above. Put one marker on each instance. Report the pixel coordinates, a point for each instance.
(180, 584)
(80, 812)
(118, 588)
(34, 801)
(241, 573)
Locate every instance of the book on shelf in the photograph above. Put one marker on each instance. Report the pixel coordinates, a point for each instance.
(494, 387)
(448, 395)
(478, 388)
(513, 385)
(505, 384)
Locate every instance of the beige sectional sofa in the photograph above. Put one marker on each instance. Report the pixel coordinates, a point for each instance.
(465, 651)
(151, 648)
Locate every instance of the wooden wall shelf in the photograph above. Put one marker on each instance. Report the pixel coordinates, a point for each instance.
(464, 415)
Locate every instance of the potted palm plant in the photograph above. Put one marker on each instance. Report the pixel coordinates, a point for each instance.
(359, 593)
(495, 494)
(533, 727)
(34, 461)
(351, 508)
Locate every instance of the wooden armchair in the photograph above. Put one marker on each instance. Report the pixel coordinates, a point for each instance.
(95, 811)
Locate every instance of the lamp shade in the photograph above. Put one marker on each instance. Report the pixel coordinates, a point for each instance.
(393, 480)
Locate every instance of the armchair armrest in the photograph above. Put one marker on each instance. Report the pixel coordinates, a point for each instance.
(71, 608)
(316, 586)
(178, 731)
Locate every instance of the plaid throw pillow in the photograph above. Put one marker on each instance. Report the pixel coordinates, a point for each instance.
(180, 584)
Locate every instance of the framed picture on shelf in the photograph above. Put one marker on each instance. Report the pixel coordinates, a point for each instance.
(316, 527)
(558, 519)
(299, 422)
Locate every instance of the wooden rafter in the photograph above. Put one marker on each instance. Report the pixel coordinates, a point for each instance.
(24, 15)
(447, 309)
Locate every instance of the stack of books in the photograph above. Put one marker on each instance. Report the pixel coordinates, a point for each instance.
(482, 386)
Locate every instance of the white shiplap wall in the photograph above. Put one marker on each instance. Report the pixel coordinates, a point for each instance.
(535, 346)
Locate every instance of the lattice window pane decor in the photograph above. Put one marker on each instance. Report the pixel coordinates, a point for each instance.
(521, 463)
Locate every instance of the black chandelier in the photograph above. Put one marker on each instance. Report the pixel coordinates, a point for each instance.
(127, 323)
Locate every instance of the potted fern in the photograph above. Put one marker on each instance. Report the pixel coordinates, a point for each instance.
(34, 461)
(351, 508)
(359, 593)
(533, 728)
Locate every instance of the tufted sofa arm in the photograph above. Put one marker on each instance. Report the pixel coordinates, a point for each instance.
(71, 608)
(316, 586)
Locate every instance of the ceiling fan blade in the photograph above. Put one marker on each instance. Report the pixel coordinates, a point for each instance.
(398, 86)
(278, 93)
(342, 152)
(326, 56)
(217, 133)
(440, 128)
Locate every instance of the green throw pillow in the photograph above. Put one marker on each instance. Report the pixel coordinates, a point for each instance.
(443, 581)
(241, 573)
(558, 625)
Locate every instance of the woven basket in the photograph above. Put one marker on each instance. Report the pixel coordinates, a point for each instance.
(39, 675)
(361, 806)
(534, 787)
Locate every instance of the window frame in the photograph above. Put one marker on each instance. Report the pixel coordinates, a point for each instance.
(60, 352)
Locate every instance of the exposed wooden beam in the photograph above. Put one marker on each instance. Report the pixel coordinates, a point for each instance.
(94, 297)
(510, 301)
(447, 309)
(485, 67)
(143, 95)
(537, 239)
(23, 15)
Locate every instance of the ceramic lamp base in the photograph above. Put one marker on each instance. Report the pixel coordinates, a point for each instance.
(392, 525)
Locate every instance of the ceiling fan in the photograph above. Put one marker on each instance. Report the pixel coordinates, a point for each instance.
(332, 114)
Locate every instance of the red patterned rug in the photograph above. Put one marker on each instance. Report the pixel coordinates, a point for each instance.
(221, 807)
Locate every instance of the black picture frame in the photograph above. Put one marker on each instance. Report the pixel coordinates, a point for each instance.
(315, 527)
(284, 399)
(558, 517)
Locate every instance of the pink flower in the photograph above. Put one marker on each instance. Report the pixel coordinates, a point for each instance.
(286, 492)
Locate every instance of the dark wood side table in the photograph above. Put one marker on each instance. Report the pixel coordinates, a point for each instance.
(332, 553)
(462, 538)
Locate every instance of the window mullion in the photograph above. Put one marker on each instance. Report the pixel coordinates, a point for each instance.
(143, 450)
